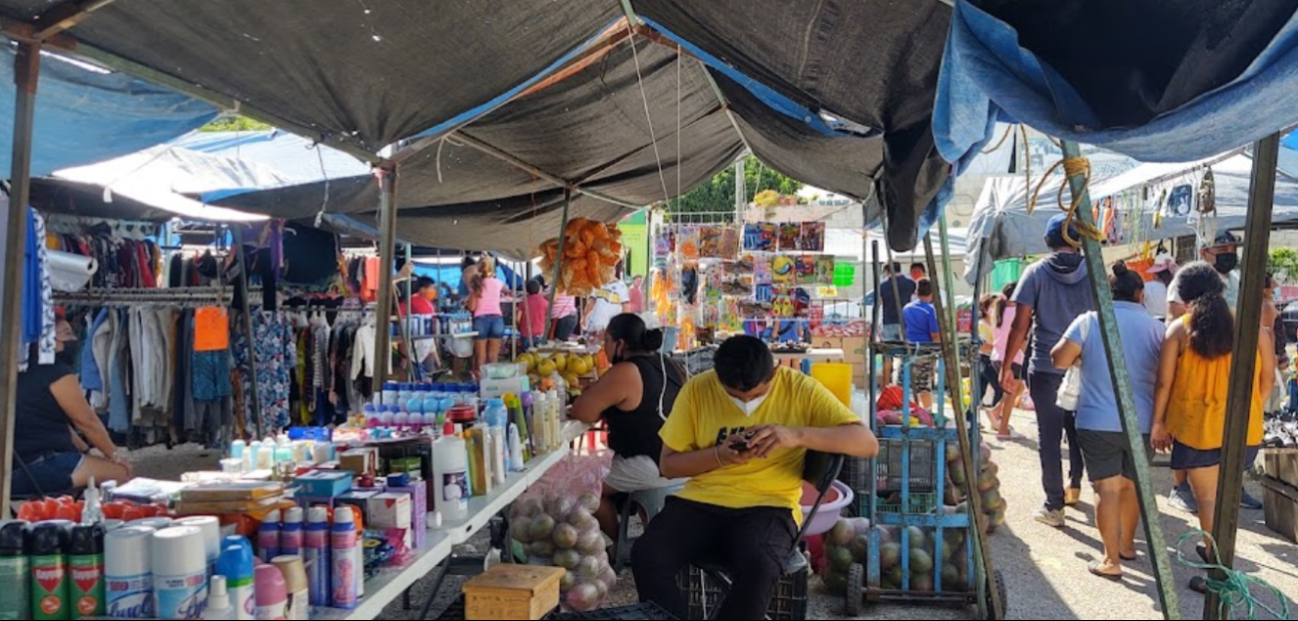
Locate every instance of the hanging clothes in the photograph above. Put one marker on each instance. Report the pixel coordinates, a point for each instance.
(276, 351)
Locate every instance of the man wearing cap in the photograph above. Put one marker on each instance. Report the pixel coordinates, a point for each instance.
(1052, 293)
(1163, 269)
(1223, 255)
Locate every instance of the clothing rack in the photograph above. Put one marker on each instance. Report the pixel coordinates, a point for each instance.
(182, 296)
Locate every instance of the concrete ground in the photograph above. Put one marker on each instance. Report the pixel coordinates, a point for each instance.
(1045, 568)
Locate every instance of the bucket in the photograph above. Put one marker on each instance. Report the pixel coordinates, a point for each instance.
(837, 377)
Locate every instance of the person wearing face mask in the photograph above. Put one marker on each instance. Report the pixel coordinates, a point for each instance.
(1164, 270)
(740, 433)
(51, 417)
(632, 398)
(1223, 256)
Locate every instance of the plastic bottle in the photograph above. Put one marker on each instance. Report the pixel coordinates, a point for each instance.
(343, 547)
(218, 600)
(290, 533)
(237, 448)
(128, 572)
(46, 548)
(371, 417)
(86, 569)
(497, 416)
(272, 594)
(315, 552)
(94, 511)
(298, 607)
(268, 536)
(236, 566)
(385, 416)
(516, 460)
(15, 575)
(389, 393)
(451, 474)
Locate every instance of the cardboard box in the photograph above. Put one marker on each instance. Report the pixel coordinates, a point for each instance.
(418, 511)
(391, 511)
(358, 500)
(361, 461)
(324, 483)
(413, 466)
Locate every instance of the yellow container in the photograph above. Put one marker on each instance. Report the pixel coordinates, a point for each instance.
(513, 592)
(837, 377)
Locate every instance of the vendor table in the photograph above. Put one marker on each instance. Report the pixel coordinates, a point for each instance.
(803, 361)
(391, 583)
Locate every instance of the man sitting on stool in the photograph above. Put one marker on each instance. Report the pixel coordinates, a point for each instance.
(741, 434)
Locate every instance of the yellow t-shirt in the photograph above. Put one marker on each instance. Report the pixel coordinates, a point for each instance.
(704, 416)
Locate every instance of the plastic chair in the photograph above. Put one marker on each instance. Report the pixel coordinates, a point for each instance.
(651, 502)
(821, 470)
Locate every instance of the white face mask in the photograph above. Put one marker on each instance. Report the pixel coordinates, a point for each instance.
(748, 407)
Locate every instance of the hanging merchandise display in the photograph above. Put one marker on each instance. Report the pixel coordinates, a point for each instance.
(591, 249)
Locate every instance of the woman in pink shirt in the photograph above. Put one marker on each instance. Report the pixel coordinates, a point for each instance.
(1003, 321)
(565, 316)
(637, 295)
(488, 318)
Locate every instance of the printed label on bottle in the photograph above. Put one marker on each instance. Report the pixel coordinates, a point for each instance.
(344, 569)
(49, 588)
(87, 592)
(130, 597)
(298, 606)
(243, 599)
(274, 612)
(15, 594)
(182, 597)
(455, 489)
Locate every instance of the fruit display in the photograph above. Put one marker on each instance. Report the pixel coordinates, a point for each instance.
(571, 368)
(846, 543)
(987, 484)
(560, 530)
(591, 249)
(923, 556)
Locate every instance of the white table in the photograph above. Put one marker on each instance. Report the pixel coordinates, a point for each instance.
(815, 355)
(390, 583)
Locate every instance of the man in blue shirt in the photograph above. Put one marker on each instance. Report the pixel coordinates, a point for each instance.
(922, 327)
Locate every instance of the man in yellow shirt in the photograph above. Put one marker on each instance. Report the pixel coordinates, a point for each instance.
(740, 434)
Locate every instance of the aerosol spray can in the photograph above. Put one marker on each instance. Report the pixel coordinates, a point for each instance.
(15, 573)
(86, 566)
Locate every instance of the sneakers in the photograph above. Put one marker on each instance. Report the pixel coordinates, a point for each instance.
(1248, 501)
(1182, 499)
(1072, 496)
(1054, 519)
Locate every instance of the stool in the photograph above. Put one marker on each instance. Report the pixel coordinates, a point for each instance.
(649, 500)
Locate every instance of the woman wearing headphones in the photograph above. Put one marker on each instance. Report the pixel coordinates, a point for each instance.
(633, 398)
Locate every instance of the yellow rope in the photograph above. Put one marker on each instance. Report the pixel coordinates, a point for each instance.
(1008, 130)
(1074, 166)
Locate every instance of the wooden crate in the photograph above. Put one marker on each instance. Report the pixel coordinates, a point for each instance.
(1281, 504)
(1282, 464)
(513, 592)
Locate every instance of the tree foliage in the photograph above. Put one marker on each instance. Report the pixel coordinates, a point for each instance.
(717, 195)
(1283, 263)
(235, 123)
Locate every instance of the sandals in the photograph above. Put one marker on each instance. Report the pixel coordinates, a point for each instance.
(1094, 568)
(1129, 559)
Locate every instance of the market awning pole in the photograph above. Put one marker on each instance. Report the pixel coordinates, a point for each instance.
(387, 252)
(27, 66)
(558, 260)
(1093, 253)
(242, 258)
(1248, 314)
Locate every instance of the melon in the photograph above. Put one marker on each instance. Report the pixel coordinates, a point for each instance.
(839, 558)
(950, 578)
(860, 548)
(918, 539)
(521, 530)
(835, 582)
(542, 528)
(921, 562)
(921, 583)
(889, 555)
(841, 534)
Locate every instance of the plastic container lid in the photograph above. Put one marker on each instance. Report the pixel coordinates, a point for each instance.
(236, 558)
(293, 516)
(271, 589)
(343, 516)
(316, 515)
(178, 551)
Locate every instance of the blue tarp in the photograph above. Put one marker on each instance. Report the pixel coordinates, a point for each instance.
(290, 155)
(988, 75)
(84, 115)
(449, 274)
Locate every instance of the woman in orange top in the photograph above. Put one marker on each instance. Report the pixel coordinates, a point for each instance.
(1194, 380)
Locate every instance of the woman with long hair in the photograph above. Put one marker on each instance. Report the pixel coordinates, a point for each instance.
(1193, 384)
(488, 317)
(1002, 322)
(987, 374)
(1109, 462)
(633, 398)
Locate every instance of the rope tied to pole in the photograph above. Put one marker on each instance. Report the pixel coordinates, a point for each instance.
(1235, 590)
(1073, 166)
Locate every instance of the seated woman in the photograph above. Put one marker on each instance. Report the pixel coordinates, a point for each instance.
(633, 398)
(51, 409)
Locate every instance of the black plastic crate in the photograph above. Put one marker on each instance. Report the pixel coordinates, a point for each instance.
(857, 473)
(638, 611)
(704, 595)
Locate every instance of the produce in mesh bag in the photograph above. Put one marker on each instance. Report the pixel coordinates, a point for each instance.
(987, 484)
(557, 529)
(846, 543)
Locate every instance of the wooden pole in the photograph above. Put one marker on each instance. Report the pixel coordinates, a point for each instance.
(1136, 445)
(27, 65)
(1243, 368)
(387, 252)
(242, 258)
(558, 259)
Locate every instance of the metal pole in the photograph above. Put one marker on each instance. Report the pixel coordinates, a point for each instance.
(27, 65)
(247, 327)
(741, 192)
(1122, 388)
(387, 250)
(1257, 226)
(558, 259)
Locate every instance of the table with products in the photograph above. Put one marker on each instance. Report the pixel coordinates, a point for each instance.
(391, 583)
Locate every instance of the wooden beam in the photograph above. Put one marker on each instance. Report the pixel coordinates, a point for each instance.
(387, 254)
(66, 16)
(27, 65)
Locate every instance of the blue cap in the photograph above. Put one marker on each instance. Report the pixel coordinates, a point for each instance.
(1055, 232)
(235, 561)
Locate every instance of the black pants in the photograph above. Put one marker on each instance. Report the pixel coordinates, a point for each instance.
(1054, 424)
(752, 544)
(989, 377)
(564, 327)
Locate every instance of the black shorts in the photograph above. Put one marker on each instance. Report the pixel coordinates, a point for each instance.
(1190, 458)
(1105, 454)
(1014, 366)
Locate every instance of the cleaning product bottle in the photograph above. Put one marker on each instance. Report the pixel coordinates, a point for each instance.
(16, 596)
(128, 573)
(94, 511)
(272, 594)
(236, 566)
(299, 600)
(218, 600)
(268, 537)
(343, 546)
(179, 561)
(497, 416)
(290, 533)
(315, 552)
(451, 474)
(86, 568)
(527, 402)
(47, 550)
